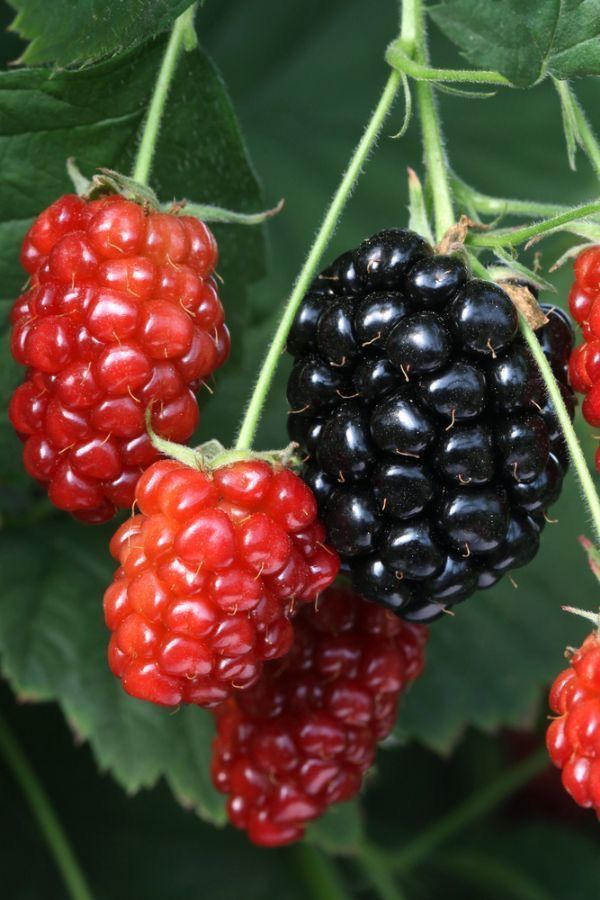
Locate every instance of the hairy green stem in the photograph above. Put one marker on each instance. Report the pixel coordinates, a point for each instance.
(511, 237)
(210, 214)
(255, 407)
(499, 206)
(586, 482)
(45, 816)
(320, 873)
(398, 57)
(468, 812)
(182, 34)
(413, 16)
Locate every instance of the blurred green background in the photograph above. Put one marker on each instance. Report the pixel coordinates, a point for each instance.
(303, 79)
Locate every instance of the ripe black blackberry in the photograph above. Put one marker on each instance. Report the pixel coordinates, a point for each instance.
(430, 443)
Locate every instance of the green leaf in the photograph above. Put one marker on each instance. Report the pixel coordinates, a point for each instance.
(53, 647)
(525, 41)
(67, 33)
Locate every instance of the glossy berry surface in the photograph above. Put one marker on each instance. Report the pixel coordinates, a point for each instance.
(429, 439)
(573, 737)
(121, 312)
(302, 738)
(210, 572)
(584, 365)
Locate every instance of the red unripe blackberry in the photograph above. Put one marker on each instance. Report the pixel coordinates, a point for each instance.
(573, 738)
(302, 738)
(584, 365)
(121, 311)
(210, 572)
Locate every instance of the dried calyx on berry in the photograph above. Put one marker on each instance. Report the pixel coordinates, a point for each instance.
(430, 442)
(573, 737)
(220, 557)
(302, 738)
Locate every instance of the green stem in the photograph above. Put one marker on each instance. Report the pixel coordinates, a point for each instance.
(510, 237)
(47, 820)
(468, 812)
(211, 214)
(413, 14)
(181, 35)
(320, 874)
(498, 206)
(376, 867)
(254, 409)
(398, 57)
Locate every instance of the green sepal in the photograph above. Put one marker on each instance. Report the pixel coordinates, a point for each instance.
(108, 182)
(211, 214)
(593, 555)
(212, 455)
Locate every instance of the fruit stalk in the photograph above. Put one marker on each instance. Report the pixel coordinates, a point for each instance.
(255, 406)
(413, 25)
(511, 237)
(500, 206)
(182, 35)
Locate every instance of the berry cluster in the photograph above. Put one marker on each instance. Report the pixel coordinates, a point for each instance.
(431, 445)
(584, 302)
(121, 312)
(573, 738)
(208, 578)
(302, 738)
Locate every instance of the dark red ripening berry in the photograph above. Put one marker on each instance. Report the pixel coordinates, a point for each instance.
(210, 572)
(573, 738)
(121, 311)
(302, 738)
(584, 365)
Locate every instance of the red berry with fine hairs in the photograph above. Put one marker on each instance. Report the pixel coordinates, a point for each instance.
(584, 365)
(121, 312)
(573, 738)
(210, 572)
(302, 738)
